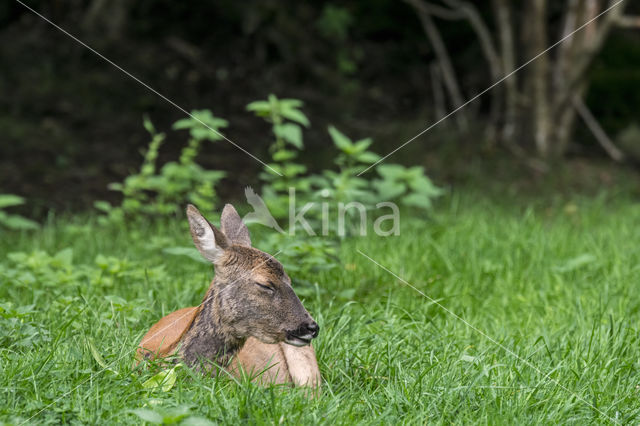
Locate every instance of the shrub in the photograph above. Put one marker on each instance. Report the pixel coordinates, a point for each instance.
(152, 192)
(407, 186)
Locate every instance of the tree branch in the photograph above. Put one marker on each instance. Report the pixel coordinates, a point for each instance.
(586, 53)
(566, 50)
(627, 21)
(597, 130)
(448, 73)
(482, 31)
(442, 12)
(503, 13)
(597, 40)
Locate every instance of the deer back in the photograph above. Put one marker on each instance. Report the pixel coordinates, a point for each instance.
(163, 338)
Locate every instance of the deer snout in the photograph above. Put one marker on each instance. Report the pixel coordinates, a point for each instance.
(302, 335)
(313, 328)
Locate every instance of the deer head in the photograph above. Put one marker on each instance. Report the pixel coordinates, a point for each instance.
(251, 294)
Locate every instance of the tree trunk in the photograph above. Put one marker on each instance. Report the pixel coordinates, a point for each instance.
(448, 73)
(536, 105)
(539, 73)
(502, 11)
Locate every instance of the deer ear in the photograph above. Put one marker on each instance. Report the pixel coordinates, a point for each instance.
(209, 241)
(233, 227)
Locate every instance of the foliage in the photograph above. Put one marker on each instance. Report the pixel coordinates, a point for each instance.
(409, 185)
(283, 173)
(164, 380)
(179, 415)
(285, 181)
(153, 193)
(335, 22)
(287, 120)
(334, 25)
(18, 328)
(338, 186)
(14, 221)
(395, 183)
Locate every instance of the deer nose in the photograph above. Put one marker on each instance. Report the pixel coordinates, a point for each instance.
(313, 328)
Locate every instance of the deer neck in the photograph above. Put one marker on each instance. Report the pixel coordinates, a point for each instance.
(208, 341)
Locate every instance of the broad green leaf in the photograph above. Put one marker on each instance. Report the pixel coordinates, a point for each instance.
(202, 124)
(417, 200)
(103, 206)
(205, 133)
(273, 169)
(9, 200)
(283, 155)
(293, 170)
(115, 186)
(391, 171)
(18, 223)
(164, 379)
(148, 415)
(362, 145)
(197, 421)
(368, 157)
(295, 115)
(423, 185)
(414, 172)
(148, 125)
(65, 256)
(388, 189)
(176, 415)
(339, 139)
(259, 106)
(291, 133)
(185, 123)
(291, 103)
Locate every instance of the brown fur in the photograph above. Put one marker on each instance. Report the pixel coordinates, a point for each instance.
(237, 308)
(162, 339)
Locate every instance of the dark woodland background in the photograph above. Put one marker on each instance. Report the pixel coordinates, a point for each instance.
(70, 123)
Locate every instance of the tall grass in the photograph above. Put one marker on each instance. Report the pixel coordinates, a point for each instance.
(555, 283)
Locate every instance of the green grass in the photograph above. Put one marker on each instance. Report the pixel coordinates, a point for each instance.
(553, 282)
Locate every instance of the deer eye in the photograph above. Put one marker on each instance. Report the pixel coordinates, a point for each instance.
(265, 287)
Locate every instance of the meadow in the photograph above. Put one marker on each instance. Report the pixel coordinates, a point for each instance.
(488, 311)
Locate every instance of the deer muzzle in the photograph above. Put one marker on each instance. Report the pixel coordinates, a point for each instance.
(302, 335)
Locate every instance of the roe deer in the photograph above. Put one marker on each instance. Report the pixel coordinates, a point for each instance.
(248, 312)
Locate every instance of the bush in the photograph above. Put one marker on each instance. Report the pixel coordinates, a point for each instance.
(157, 193)
(152, 192)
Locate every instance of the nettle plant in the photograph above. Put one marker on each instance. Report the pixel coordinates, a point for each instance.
(407, 186)
(286, 185)
(283, 173)
(339, 189)
(165, 191)
(283, 179)
(334, 188)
